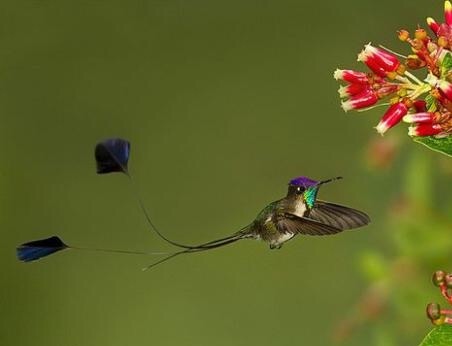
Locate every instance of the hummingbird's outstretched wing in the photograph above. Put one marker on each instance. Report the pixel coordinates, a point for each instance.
(338, 216)
(290, 223)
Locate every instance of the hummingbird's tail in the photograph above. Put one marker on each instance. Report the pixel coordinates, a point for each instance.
(148, 218)
(242, 234)
(37, 249)
(112, 155)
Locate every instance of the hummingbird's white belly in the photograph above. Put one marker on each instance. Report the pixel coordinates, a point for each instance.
(282, 238)
(299, 209)
(274, 238)
(285, 237)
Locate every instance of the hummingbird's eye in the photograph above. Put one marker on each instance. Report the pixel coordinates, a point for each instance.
(300, 189)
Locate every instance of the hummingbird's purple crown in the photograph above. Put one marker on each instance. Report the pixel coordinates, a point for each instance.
(303, 181)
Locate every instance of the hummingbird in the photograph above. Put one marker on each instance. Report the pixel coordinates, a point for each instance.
(299, 212)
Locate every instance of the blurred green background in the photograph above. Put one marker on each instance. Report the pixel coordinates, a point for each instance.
(224, 102)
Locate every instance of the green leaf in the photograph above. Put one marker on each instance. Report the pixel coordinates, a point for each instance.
(446, 65)
(430, 103)
(440, 336)
(442, 145)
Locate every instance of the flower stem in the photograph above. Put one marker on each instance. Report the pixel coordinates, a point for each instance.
(424, 88)
(376, 106)
(404, 80)
(391, 51)
(413, 77)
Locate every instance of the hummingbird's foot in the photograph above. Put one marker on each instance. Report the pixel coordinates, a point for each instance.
(275, 246)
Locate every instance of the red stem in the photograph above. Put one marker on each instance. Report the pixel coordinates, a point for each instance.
(443, 289)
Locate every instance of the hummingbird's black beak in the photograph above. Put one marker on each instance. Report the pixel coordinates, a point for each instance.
(328, 180)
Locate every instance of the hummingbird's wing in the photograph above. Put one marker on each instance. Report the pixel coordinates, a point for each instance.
(338, 216)
(290, 223)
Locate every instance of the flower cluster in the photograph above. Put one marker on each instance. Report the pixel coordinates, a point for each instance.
(425, 105)
(437, 315)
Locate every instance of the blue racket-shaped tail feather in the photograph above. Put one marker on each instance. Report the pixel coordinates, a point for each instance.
(34, 250)
(112, 155)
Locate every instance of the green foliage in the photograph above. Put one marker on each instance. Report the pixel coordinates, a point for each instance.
(418, 233)
(439, 336)
(446, 65)
(442, 145)
(430, 103)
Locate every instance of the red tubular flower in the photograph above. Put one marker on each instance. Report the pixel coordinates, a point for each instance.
(377, 69)
(420, 106)
(434, 26)
(352, 89)
(351, 76)
(445, 88)
(448, 12)
(373, 56)
(429, 100)
(393, 80)
(424, 130)
(364, 99)
(392, 117)
(422, 117)
(386, 90)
